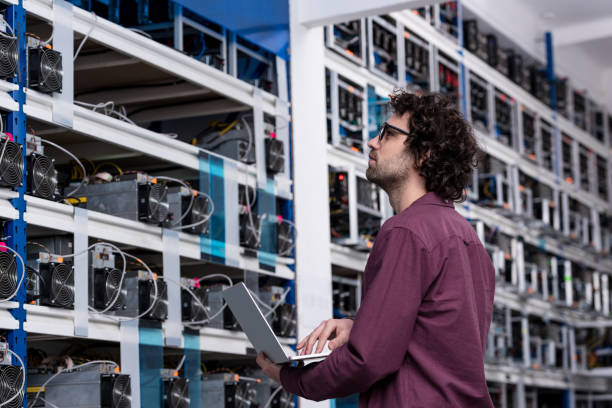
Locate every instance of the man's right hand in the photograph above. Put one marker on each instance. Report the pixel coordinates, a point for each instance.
(336, 330)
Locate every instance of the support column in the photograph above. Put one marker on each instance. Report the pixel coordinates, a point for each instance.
(313, 255)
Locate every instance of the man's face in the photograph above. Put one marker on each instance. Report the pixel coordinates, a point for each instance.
(390, 163)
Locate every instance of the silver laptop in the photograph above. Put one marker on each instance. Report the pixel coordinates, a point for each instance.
(257, 328)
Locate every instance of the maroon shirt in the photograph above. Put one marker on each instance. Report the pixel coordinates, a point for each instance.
(420, 334)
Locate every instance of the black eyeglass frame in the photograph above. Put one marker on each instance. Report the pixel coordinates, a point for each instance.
(383, 129)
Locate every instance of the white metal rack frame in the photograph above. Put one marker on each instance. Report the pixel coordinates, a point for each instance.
(518, 161)
(42, 320)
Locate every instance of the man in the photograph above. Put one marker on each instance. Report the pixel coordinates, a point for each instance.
(419, 337)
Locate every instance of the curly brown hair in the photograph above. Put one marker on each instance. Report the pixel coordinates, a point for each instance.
(442, 142)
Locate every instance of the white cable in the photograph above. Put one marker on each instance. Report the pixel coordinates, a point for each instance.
(48, 403)
(93, 25)
(261, 302)
(23, 374)
(180, 365)
(9, 28)
(141, 32)
(42, 387)
(75, 159)
(50, 37)
(109, 110)
(23, 273)
(276, 391)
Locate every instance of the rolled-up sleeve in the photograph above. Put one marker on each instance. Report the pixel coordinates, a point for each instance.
(396, 282)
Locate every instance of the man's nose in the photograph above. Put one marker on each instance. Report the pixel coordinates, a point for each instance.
(373, 143)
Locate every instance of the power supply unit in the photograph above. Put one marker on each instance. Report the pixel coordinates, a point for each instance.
(229, 390)
(45, 70)
(195, 220)
(175, 391)
(11, 162)
(137, 197)
(9, 56)
(139, 287)
(89, 387)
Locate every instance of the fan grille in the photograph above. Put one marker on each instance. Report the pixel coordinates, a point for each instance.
(160, 310)
(113, 279)
(8, 57)
(62, 285)
(51, 70)
(44, 176)
(179, 394)
(199, 312)
(246, 395)
(11, 165)
(286, 316)
(8, 274)
(122, 392)
(10, 383)
(275, 155)
(199, 212)
(158, 203)
(283, 400)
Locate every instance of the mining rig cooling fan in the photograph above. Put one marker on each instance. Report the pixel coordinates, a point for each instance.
(11, 163)
(8, 274)
(45, 69)
(246, 395)
(199, 212)
(283, 399)
(176, 393)
(116, 391)
(106, 284)
(275, 155)
(42, 176)
(192, 310)
(157, 203)
(57, 284)
(10, 383)
(147, 297)
(8, 57)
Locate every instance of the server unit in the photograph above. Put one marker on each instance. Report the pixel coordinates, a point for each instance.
(494, 189)
(104, 280)
(529, 134)
(580, 114)
(42, 175)
(45, 72)
(282, 320)
(228, 390)
(207, 307)
(348, 39)
(383, 46)
(448, 76)
(56, 281)
(175, 391)
(139, 287)
(8, 273)
(479, 106)
(504, 114)
(90, 387)
(346, 294)
(9, 56)
(231, 138)
(136, 197)
(275, 153)
(249, 221)
(417, 60)
(188, 210)
(11, 161)
(547, 145)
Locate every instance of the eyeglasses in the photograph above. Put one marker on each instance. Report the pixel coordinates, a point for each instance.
(386, 125)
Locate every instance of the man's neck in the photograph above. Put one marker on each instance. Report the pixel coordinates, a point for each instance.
(402, 197)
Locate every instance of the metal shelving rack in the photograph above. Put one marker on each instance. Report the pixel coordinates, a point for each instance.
(349, 262)
(20, 209)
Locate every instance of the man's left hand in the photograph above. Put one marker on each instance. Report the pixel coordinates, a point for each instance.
(269, 368)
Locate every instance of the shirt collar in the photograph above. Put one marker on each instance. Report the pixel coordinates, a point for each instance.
(432, 198)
